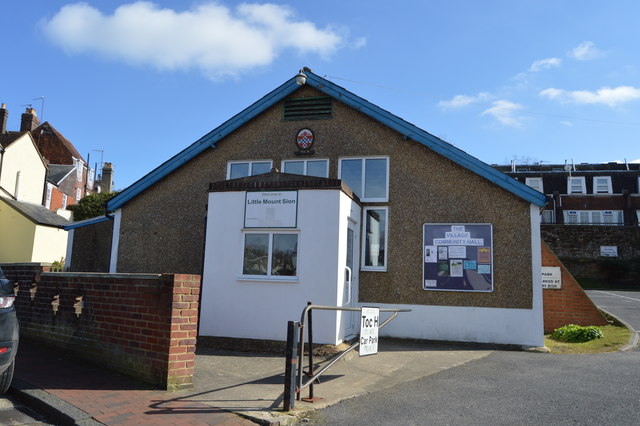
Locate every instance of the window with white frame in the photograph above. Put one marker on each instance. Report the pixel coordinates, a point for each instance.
(47, 202)
(576, 185)
(78, 194)
(270, 254)
(374, 250)
(239, 169)
(602, 185)
(313, 167)
(90, 178)
(79, 167)
(64, 201)
(547, 216)
(368, 177)
(535, 183)
(593, 217)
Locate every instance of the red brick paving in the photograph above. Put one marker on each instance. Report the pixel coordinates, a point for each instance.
(111, 398)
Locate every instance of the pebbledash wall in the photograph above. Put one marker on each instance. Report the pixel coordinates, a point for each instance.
(424, 186)
(141, 325)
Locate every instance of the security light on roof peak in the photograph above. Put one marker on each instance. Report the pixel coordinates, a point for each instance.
(301, 77)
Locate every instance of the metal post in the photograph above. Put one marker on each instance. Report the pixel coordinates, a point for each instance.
(290, 365)
(310, 332)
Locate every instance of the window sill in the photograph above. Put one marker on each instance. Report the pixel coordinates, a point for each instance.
(373, 269)
(268, 279)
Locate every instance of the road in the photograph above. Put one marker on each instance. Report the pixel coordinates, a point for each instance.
(514, 388)
(13, 412)
(622, 304)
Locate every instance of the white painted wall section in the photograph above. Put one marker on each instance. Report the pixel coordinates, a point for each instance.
(115, 241)
(233, 306)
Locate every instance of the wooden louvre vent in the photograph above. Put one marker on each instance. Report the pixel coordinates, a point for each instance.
(308, 108)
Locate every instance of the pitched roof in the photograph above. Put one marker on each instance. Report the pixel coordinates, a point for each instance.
(47, 127)
(57, 172)
(403, 127)
(36, 213)
(7, 139)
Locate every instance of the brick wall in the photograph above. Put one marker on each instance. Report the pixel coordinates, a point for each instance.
(142, 325)
(569, 304)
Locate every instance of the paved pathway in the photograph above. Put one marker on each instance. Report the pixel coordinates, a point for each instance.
(89, 395)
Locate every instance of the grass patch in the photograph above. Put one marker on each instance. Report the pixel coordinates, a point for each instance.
(614, 338)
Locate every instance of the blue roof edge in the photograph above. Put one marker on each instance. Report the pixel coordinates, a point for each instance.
(208, 140)
(436, 144)
(87, 222)
(405, 128)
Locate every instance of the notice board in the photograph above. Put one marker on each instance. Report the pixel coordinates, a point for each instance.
(458, 257)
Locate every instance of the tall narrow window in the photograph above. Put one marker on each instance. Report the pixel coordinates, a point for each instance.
(367, 177)
(64, 201)
(374, 252)
(47, 202)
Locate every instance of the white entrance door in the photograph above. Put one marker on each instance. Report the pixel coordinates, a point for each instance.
(351, 280)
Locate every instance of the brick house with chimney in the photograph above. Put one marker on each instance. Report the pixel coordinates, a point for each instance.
(70, 178)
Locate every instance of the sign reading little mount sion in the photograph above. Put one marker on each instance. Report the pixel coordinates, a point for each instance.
(271, 209)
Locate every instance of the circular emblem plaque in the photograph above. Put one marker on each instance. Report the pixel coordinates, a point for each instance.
(304, 139)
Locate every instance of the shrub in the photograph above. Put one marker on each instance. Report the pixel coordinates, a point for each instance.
(575, 333)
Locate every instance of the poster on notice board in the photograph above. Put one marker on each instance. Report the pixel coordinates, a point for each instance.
(458, 257)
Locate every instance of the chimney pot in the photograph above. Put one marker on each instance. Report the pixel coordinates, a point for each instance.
(4, 118)
(29, 120)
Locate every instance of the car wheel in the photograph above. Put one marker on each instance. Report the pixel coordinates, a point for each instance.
(6, 377)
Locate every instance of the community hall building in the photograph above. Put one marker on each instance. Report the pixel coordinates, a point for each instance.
(313, 193)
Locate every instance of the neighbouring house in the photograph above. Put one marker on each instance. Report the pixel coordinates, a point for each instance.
(30, 232)
(593, 215)
(313, 193)
(70, 177)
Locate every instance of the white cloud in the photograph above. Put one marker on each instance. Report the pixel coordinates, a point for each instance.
(213, 38)
(635, 161)
(505, 112)
(567, 123)
(544, 64)
(461, 101)
(607, 96)
(585, 51)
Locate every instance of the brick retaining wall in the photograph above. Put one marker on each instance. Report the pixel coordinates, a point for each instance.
(142, 325)
(569, 304)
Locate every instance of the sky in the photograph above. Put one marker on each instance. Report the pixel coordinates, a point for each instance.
(135, 82)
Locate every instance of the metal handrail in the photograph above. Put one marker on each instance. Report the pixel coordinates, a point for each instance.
(339, 356)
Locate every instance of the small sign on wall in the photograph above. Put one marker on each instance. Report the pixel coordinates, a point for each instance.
(609, 251)
(551, 277)
(271, 209)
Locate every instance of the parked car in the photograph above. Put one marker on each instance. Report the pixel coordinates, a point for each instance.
(9, 332)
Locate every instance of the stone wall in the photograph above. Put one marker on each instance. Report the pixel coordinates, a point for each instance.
(141, 325)
(578, 246)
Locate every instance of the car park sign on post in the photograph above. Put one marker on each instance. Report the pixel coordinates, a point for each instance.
(369, 324)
